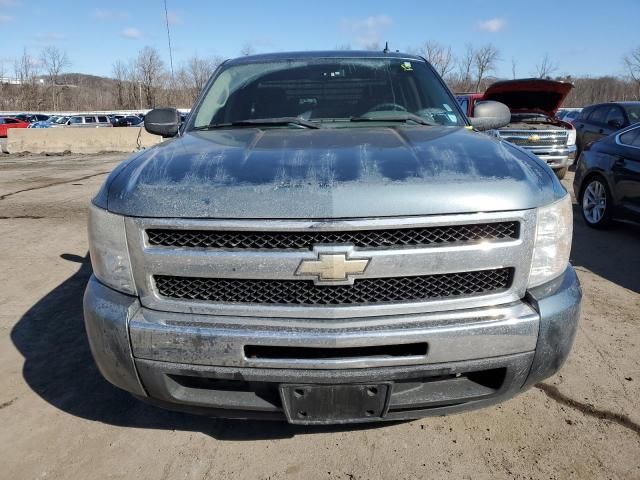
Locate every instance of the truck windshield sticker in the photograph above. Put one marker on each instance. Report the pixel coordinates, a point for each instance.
(406, 66)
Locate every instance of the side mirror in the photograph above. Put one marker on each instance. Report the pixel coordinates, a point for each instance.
(162, 121)
(489, 115)
(617, 124)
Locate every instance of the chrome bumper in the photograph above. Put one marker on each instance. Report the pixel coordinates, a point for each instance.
(555, 157)
(147, 352)
(221, 341)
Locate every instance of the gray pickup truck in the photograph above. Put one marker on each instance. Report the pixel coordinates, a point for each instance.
(326, 239)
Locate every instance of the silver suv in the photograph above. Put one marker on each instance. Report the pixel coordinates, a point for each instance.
(88, 121)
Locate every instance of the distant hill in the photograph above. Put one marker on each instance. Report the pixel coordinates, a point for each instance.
(84, 80)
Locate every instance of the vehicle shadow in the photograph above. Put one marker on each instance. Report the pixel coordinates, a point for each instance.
(613, 254)
(58, 366)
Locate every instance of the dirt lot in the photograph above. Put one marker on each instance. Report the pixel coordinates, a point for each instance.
(60, 419)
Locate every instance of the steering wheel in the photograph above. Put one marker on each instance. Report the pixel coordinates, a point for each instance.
(386, 107)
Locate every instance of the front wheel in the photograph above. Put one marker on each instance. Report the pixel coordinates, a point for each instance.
(596, 203)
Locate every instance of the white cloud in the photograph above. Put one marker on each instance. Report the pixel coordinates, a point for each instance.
(367, 31)
(131, 33)
(174, 18)
(492, 25)
(6, 19)
(109, 14)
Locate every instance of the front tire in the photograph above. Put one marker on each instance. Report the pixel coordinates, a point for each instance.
(596, 203)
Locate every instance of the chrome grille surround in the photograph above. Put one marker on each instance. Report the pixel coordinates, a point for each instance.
(370, 291)
(546, 138)
(382, 238)
(149, 260)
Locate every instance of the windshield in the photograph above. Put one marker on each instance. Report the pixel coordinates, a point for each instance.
(327, 91)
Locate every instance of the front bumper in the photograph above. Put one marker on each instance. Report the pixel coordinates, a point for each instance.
(555, 157)
(207, 364)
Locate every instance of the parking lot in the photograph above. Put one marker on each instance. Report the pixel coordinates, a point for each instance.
(60, 419)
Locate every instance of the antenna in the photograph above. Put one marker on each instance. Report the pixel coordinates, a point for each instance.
(386, 47)
(166, 17)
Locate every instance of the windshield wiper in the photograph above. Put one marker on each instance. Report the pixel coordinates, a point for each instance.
(257, 122)
(392, 117)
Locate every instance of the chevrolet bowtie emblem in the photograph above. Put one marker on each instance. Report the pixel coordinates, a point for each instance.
(332, 268)
(534, 138)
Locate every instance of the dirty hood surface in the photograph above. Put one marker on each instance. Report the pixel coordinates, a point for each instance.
(530, 95)
(328, 173)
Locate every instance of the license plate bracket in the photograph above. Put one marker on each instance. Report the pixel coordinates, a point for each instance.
(322, 404)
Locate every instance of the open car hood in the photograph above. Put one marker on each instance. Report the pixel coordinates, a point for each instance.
(530, 95)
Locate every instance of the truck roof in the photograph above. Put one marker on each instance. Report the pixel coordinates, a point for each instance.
(323, 54)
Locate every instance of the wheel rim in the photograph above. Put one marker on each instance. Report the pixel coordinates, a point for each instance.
(594, 201)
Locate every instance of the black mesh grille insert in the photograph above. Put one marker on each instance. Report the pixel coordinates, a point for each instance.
(360, 238)
(363, 291)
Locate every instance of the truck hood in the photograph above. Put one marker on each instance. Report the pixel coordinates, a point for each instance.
(328, 173)
(530, 95)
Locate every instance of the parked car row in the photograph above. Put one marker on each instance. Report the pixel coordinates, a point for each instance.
(33, 120)
(80, 120)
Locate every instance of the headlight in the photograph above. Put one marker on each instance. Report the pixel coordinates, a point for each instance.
(109, 252)
(571, 137)
(554, 230)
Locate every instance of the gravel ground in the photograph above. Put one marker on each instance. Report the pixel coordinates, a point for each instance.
(60, 419)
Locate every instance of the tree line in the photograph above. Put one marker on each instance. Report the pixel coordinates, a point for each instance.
(44, 82)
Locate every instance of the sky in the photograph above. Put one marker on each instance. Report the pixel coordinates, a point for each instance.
(587, 37)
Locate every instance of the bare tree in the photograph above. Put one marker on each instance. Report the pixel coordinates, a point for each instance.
(465, 64)
(632, 65)
(199, 70)
(484, 62)
(514, 64)
(439, 56)
(27, 69)
(54, 61)
(149, 71)
(247, 49)
(546, 67)
(120, 76)
(3, 80)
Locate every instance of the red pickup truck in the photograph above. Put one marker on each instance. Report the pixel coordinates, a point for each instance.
(533, 103)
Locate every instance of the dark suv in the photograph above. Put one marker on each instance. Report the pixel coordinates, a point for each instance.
(600, 120)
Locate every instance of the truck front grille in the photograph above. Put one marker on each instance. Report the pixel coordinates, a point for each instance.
(363, 291)
(535, 138)
(400, 237)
